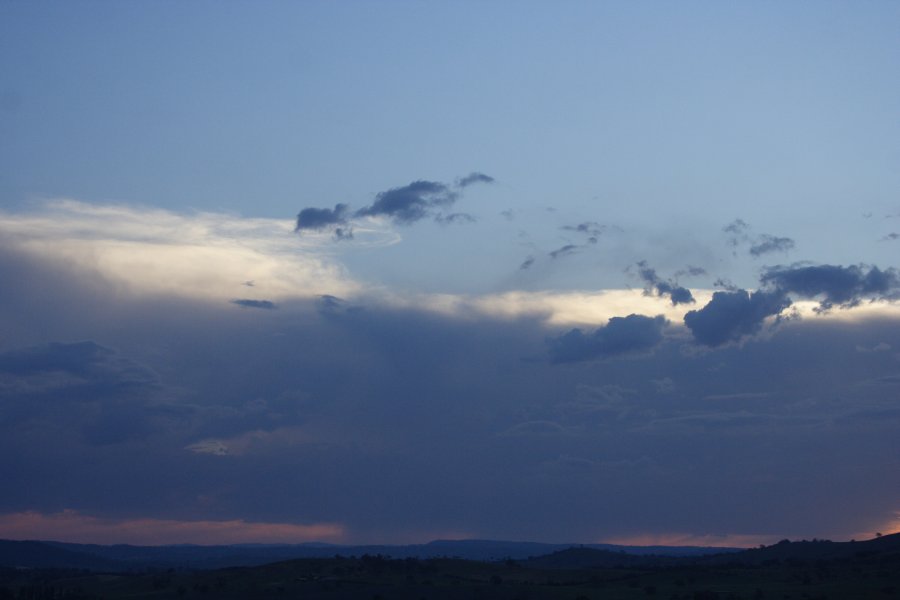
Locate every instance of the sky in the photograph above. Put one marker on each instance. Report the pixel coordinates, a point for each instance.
(390, 272)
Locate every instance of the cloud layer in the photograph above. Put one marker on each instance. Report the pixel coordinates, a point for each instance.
(205, 415)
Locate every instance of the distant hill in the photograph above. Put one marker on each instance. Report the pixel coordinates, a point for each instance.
(37, 554)
(885, 548)
(41, 555)
(119, 558)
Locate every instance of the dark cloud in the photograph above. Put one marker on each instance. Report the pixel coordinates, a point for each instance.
(82, 386)
(247, 303)
(621, 335)
(343, 233)
(891, 237)
(474, 177)
(725, 284)
(563, 251)
(676, 293)
(373, 404)
(736, 313)
(410, 203)
(835, 285)
(770, 243)
(404, 205)
(321, 218)
(731, 315)
(454, 218)
(526, 263)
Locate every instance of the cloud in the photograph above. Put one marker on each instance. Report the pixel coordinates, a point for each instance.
(474, 177)
(526, 263)
(690, 271)
(731, 315)
(739, 233)
(74, 526)
(834, 284)
(403, 205)
(879, 347)
(454, 218)
(536, 428)
(891, 237)
(410, 203)
(670, 289)
(320, 218)
(563, 251)
(204, 256)
(374, 393)
(343, 233)
(81, 387)
(621, 335)
(247, 303)
(735, 313)
(765, 244)
(592, 229)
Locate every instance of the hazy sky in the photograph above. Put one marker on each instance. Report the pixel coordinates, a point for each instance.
(394, 271)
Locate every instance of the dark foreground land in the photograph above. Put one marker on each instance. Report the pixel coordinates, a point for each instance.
(802, 570)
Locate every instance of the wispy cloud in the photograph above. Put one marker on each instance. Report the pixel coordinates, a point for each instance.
(739, 234)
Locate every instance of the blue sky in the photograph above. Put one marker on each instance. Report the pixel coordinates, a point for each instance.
(631, 161)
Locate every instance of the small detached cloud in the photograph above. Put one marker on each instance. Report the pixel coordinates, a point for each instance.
(526, 264)
(769, 243)
(691, 271)
(633, 334)
(891, 237)
(319, 218)
(563, 251)
(402, 205)
(739, 233)
(410, 203)
(247, 303)
(591, 229)
(474, 177)
(454, 218)
(654, 284)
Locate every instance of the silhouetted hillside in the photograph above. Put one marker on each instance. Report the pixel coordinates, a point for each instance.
(885, 547)
(123, 557)
(41, 555)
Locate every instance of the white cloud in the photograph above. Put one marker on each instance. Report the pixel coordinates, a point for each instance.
(201, 255)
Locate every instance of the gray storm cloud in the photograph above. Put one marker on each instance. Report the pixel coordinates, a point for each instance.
(734, 314)
(620, 336)
(424, 413)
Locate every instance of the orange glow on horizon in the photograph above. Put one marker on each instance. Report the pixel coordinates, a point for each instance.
(72, 526)
(690, 539)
